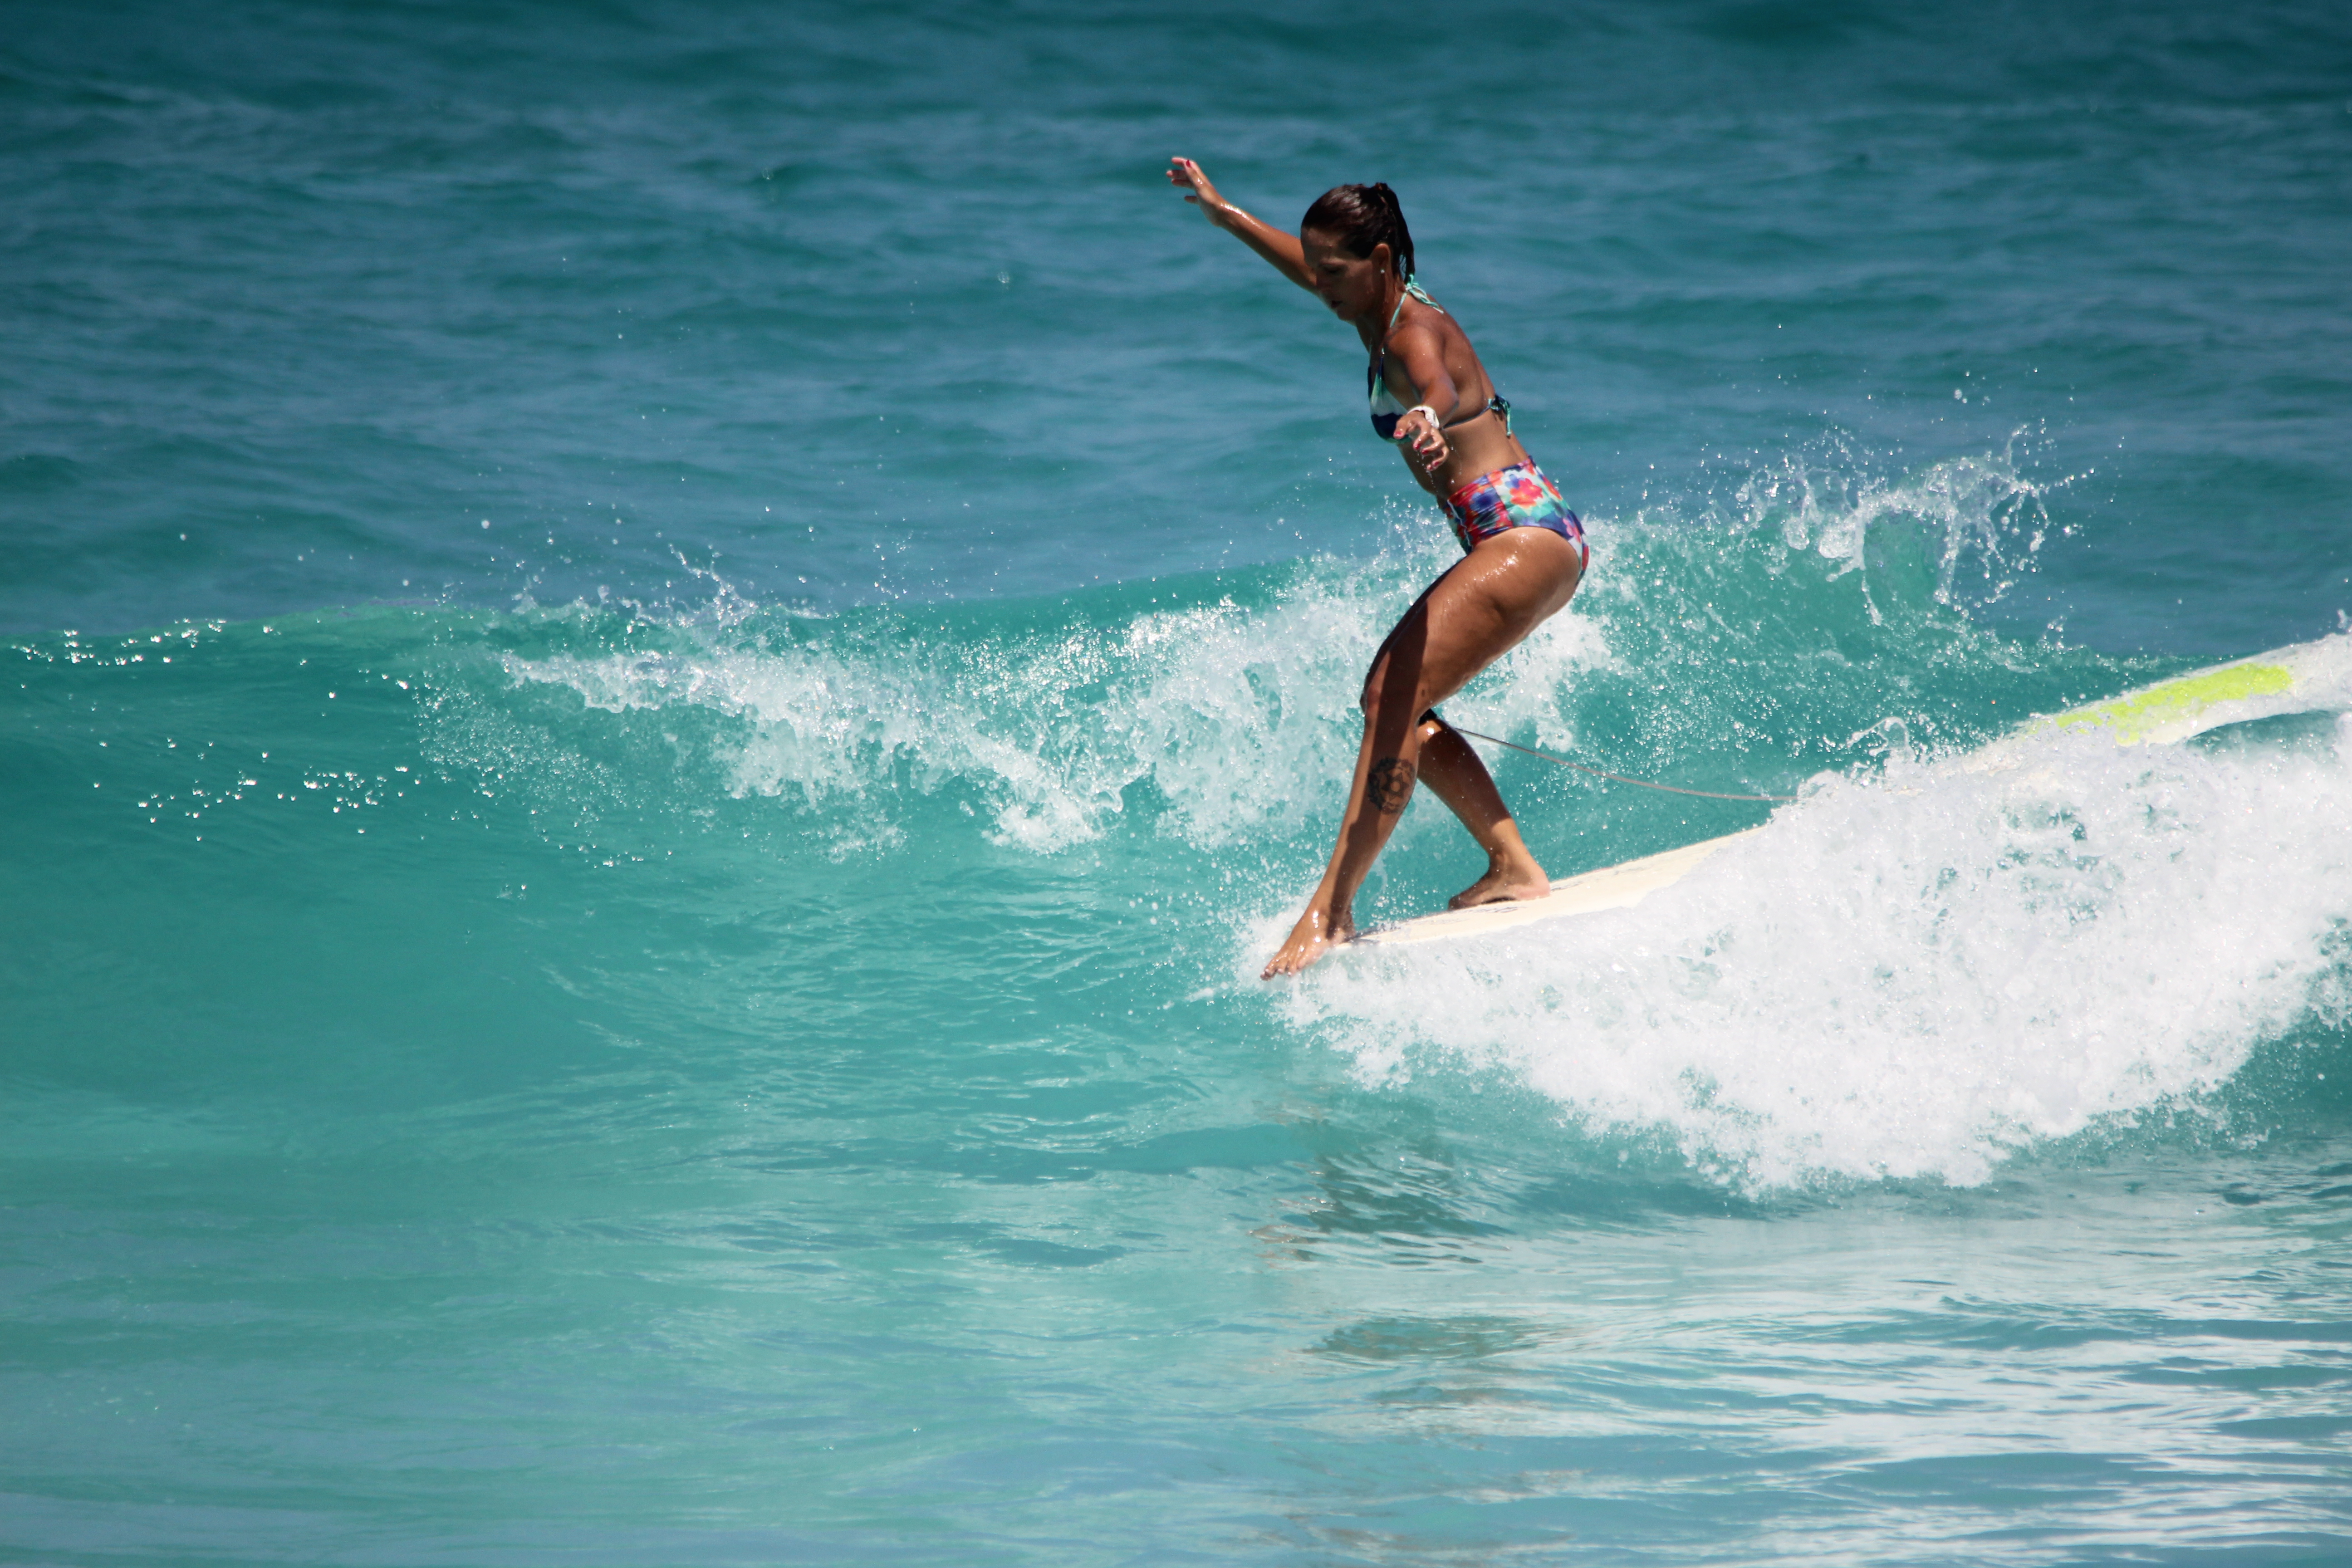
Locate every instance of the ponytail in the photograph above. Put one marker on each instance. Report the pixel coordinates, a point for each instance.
(1363, 216)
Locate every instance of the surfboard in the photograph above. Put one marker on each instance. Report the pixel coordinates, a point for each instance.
(1618, 886)
(2295, 679)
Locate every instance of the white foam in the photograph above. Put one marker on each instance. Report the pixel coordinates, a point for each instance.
(1905, 978)
(1244, 718)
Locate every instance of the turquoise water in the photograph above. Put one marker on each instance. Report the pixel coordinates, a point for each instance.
(671, 666)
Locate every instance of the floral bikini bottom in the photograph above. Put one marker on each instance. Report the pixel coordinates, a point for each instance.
(1521, 495)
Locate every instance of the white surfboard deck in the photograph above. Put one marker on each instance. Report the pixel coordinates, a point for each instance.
(2306, 678)
(1619, 886)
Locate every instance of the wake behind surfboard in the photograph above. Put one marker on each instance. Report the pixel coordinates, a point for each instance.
(2296, 680)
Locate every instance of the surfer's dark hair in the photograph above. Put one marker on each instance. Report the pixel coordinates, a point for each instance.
(1363, 216)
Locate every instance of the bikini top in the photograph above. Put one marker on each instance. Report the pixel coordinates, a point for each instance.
(1386, 409)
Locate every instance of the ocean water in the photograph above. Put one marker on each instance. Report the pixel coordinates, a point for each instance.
(670, 666)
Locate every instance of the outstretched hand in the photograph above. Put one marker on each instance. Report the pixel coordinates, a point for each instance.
(1185, 175)
(1420, 434)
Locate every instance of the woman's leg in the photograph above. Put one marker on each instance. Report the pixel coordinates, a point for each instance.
(1471, 617)
(1455, 775)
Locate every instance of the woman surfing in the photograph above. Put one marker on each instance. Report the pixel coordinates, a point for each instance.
(1524, 550)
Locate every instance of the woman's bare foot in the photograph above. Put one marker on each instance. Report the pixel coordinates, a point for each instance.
(1315, 935)
(1503, 883)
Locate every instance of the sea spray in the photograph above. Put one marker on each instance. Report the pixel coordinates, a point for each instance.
(1912, 974)
(1711, 653)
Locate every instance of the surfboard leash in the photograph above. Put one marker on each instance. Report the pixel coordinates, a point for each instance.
(1596, 772)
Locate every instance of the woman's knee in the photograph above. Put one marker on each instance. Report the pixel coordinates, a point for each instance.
(1383, 687)
(1378, 686)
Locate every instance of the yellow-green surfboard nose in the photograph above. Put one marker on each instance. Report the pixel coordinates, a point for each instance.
(2153, 713)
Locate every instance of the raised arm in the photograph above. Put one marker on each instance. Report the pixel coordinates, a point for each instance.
(1279, 247)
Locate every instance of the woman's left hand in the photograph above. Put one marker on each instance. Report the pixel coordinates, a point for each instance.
(1420, 433)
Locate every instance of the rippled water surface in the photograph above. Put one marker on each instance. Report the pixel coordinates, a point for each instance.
(671, 666)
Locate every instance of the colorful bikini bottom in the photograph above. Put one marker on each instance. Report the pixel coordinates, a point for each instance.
(1521, 495)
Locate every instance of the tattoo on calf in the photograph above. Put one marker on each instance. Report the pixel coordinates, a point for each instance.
(1388, 786)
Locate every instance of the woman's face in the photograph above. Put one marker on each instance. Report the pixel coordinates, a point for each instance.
(1354, 287)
